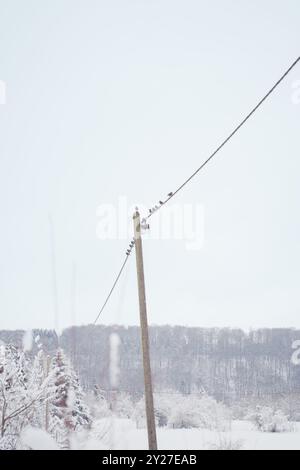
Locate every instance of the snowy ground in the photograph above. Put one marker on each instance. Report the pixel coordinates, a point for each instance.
(242, 436)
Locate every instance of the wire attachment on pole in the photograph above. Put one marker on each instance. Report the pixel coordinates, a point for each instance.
(144, 225)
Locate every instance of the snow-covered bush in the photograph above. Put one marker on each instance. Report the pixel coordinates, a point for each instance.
(98, 404)
(200, 412)
(267, 419)
(163, 404)
(123, 405)
(184, 416)
(139, 414)
(212, 414)
(185, 411)
(103, 405)
(239, 411)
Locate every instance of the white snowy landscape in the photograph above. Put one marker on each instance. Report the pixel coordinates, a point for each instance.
(150, 226)
(44, 406)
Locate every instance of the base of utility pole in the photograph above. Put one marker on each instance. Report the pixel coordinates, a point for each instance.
(152, 440)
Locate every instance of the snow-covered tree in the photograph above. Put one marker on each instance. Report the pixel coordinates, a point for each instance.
(14, 400)
(22, 394)
(98, 404)
(68, 411)
(123, 405)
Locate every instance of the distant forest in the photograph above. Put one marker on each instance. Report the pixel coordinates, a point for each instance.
(228, 364)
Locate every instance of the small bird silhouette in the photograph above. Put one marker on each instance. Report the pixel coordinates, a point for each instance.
(170, 194)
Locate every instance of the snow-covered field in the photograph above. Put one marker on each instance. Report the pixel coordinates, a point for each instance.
(242, 436)
(99, 421)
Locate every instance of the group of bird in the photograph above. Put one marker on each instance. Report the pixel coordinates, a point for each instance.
(144, 224)
(131, 245)
(161, 203)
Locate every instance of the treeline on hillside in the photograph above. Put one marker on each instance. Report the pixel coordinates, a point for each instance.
(228, 364)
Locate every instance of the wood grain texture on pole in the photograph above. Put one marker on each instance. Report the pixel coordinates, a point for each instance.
(152, 440)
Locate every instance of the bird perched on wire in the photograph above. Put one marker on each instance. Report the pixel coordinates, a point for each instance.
(170, 194)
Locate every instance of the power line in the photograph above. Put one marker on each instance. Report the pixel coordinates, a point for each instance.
(171, 195)
(112, 289)
(128, 253)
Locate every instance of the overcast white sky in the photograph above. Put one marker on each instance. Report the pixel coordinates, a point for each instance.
(126, 98)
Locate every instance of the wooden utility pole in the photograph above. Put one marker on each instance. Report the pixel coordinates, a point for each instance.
(144, 333)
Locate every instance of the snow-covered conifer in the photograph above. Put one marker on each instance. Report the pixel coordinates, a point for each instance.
(68, 412)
